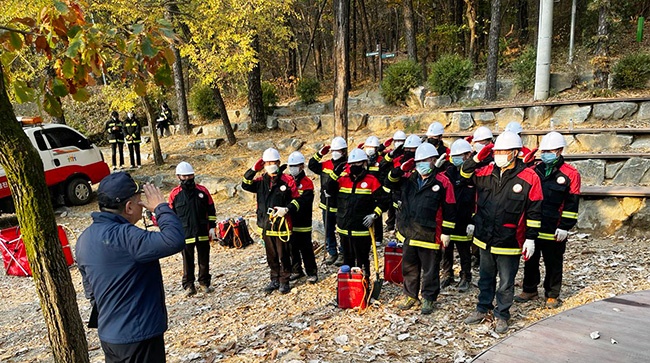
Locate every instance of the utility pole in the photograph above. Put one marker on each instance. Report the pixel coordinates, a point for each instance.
(544, 43)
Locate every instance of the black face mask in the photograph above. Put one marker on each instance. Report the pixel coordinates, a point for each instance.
(356, 170)
(188, 183)
(408, 155)
(433, 141)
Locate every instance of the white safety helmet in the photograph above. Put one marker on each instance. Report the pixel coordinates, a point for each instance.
(129, 114)
(515, 127)
(371, 141)
(184, 168)
(508, 140)
(412, 141)
(425, 151)
(460, 146)
(482, 133)
(296, 158)
(435, 129)
(338, 143)
(271, 154)
(552, 141)
(399, 135)
(357, 155)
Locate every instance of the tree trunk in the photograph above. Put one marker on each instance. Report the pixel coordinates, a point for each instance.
(493, 52)
(31, 198)
(342, 72)
(522, 21)
(470, 14)
(59, 119)
(179, 81)
(221, 106)
(369, 44)
(151, 120)
(255, 101)
(458, 21)
(410, 31)
(601, 61)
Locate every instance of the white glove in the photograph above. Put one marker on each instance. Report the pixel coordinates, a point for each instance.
(369, 219)
(441, 160)
(561, 235)
(529, 249)
(280, 211)
(212, 234)
(470, 230)
(445, 238)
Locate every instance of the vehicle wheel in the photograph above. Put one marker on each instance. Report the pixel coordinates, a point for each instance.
(78, 191)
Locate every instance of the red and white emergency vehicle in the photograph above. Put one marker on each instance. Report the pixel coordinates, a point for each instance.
(71, 162)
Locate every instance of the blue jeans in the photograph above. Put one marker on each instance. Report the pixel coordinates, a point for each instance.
(330, 234)
(506, 267)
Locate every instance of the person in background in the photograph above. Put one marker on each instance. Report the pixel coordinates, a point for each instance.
(301, 247)
(194, 206)
(561, 187)
(515, 127)
(277, 199)
(164, 120)
(373, 148)
(133, 139)
(434, 137)
(114, 128)
(120, 269)
(390, 161)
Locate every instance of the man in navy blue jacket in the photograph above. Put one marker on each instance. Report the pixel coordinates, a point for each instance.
(121, 272)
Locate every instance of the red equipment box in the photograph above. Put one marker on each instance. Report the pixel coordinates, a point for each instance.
(352, 288)
(393, 263)
(14, 255)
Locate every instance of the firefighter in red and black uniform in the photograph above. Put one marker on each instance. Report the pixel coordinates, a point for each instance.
(114, 127)
(393, 159)
(425, 219)
(277, 195)
(434, 137)
(301, 247)
(133, 139)
(361, 200)
(561, 187)
(507, 220)
(328, 202)
(194, 206)
(465, 193)
(373, 148)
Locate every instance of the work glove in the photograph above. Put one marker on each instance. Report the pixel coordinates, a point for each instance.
(408, 165)
(530, 157)
(338, 170)
(360, 146)
(324, 150)
(528, 249)
(388, 142)
(469, 138)
(212, 234)
(369, 220)
(445, 238)
(561, 235)
(280, 211)
(397, 151)
(470, 230)
(441, 160)
(259, 165)
(484, 153)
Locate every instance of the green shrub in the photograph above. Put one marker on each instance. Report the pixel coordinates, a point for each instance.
(269, 97)
(632, 71)
(203, 102)
(449, 74)
(307, 89)
(398, 79)
(524, 68)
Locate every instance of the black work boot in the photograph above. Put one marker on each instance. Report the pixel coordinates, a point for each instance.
(273, 285)
(331, 259)
(285, 288)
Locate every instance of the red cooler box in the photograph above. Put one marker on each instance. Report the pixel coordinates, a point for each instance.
(13, 251)
(351, 289)
(393, 263)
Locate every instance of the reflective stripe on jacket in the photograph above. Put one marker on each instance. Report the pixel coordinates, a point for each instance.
(561, 190)
(326, 170)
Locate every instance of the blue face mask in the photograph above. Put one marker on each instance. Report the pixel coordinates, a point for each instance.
(423, 167)
(457, 160)
(548, 158)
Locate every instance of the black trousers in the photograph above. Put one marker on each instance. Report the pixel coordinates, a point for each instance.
(147, 351)
(356, 251)
(447, 264)
(390, 221)
(553, 253)
(379, 229)
(421, 266)
(134, 154)
(302, 250)
(115, 146)
(278, 256)
(203, 257)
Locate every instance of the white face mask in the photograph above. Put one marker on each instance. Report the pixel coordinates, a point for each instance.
(478, 147)
(370, 151)
(294, 170)
(336, 155)
(271, 169)
(502, 160)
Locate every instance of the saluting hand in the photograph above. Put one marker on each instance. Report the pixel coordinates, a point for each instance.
(153, 195)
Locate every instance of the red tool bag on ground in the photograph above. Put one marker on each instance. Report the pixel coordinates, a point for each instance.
(14, 255)
(393, 263)
(233, 232)
(351, 288)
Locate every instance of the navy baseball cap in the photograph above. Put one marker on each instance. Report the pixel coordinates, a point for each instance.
(116, 188)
